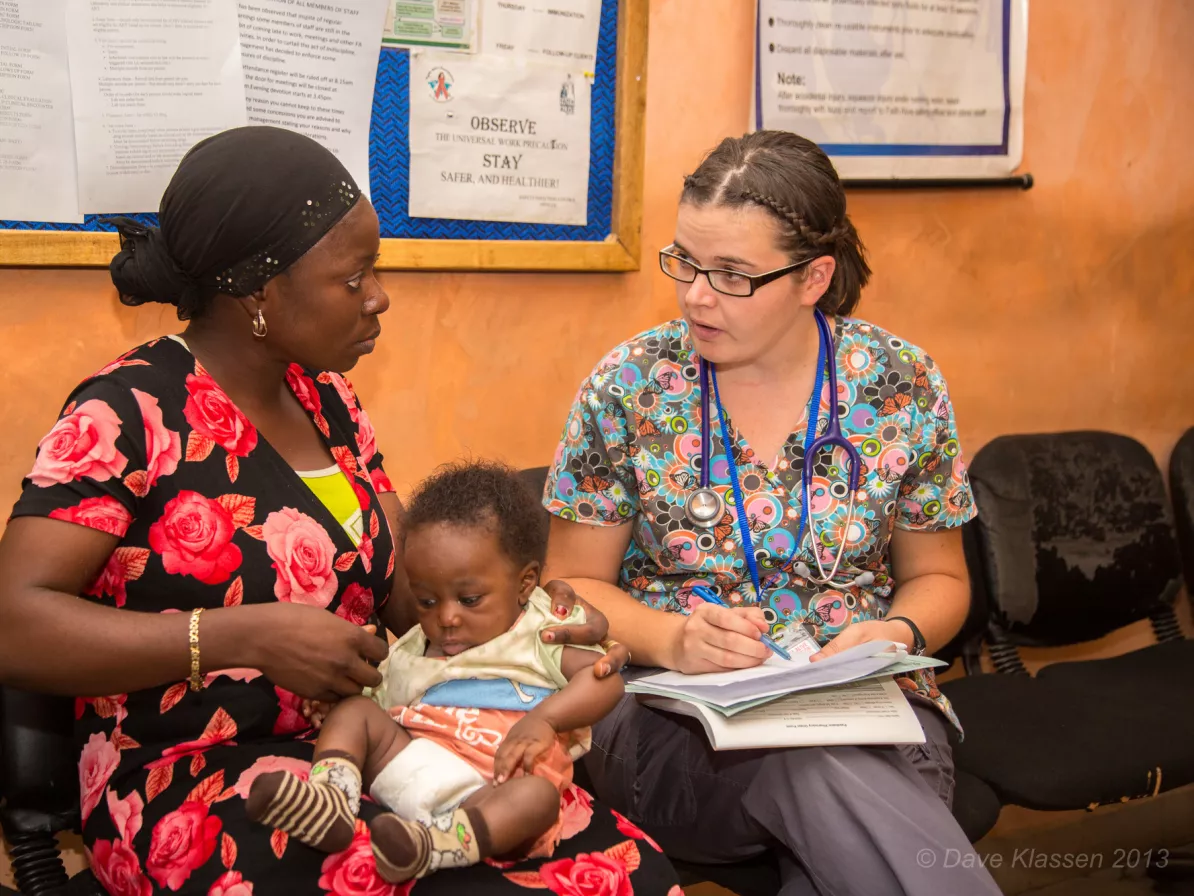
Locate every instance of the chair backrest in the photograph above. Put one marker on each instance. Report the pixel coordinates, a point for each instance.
(1074, 535)
(39, 772)
(1181, 484)
(534, 478)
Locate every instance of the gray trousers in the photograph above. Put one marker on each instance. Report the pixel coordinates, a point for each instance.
(843, 821)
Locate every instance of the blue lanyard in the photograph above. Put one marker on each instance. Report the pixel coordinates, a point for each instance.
(814, 411)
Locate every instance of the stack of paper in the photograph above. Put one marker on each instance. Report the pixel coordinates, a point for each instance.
(732, 692)
(848, 698)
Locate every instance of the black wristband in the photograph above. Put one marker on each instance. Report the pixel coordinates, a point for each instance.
(918, 640)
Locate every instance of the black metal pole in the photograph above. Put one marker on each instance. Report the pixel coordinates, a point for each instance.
(1017, 181)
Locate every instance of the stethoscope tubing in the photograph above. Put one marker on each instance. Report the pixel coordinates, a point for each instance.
(826, 362)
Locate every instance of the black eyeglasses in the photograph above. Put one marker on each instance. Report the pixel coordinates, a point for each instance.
(730, 283)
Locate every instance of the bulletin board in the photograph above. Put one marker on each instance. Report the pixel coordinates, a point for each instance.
(610, 241)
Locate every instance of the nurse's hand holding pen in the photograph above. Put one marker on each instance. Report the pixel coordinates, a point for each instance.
(717, 639)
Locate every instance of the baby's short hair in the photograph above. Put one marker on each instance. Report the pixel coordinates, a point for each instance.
(483, 493)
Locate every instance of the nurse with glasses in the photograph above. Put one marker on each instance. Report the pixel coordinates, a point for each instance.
(804, 466)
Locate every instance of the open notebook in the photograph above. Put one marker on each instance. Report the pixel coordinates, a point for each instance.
(862, 712)
(849, 698)
(731, 692)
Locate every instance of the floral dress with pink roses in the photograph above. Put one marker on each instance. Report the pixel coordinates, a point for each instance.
(152, 450)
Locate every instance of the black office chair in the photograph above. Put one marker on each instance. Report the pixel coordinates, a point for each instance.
(1181, 487)
(976, 807)
(1074, 540)
(1181, 490)
(39, 791)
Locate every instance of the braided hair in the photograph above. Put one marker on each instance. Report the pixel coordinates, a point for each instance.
(794, 180)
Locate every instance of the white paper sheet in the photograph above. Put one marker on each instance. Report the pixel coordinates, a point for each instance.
(442, 24)
(493, 140)
(733, 689)
(774, 667)
(867, 712)
(149, 80)
(897, 88)
(558, 32)
(310, 66)
(37, 137)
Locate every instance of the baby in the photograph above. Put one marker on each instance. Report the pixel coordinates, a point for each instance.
(471, 737)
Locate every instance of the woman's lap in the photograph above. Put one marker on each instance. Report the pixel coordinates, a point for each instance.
(703, 805)
(183, 843)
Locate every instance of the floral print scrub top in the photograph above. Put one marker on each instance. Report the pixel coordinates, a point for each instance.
(631, 450)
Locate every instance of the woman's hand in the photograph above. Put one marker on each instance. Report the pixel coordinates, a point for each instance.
(717, 639)
(593, 631)
(312, 652)
(860, 632)
(529, 739)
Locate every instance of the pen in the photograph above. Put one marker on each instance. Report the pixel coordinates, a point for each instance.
(712, 597)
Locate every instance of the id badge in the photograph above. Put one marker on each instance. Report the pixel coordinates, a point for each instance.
(796, 639)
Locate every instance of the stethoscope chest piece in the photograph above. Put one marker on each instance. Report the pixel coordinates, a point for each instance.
(704, 508)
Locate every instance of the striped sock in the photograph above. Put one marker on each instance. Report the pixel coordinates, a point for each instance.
(401, 849)
(408, 849)
(321, 812)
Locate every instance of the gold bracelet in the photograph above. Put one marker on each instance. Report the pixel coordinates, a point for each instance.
(196, 680)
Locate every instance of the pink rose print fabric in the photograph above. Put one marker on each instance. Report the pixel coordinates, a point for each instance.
(83, 443)
(194, 538)
(201, 511)
(303, 556)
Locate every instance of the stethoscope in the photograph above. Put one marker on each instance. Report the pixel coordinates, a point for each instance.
(705, 507)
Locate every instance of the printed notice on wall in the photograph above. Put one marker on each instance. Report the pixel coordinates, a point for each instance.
(310, 66)
(494, 140)
(148, 83)
(444, 24)
(37, 137)
(896, 88)
(553, 32)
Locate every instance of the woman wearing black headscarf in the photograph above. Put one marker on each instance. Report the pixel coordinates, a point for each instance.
(218, 499)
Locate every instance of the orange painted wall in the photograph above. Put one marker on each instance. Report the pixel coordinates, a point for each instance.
(1068, 306)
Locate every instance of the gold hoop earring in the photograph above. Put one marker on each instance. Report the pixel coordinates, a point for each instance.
(259, 327)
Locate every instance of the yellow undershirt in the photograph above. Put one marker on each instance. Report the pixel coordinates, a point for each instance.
(334, 491)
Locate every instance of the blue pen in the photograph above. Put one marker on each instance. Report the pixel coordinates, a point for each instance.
(712, 597)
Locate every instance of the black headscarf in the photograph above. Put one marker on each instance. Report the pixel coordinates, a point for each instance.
(242, 207)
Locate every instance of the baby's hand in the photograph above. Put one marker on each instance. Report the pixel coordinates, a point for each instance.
(315, 711)
(529, 739)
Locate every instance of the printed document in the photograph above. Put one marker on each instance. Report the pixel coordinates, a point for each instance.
(494, 140)
(37, 136)
(148, 82)
(310, 66)
(556, 32)
(864, 712)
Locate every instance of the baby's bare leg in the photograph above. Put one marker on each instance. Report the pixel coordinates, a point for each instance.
(361, 731)
(517, 812)
(356, 741)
